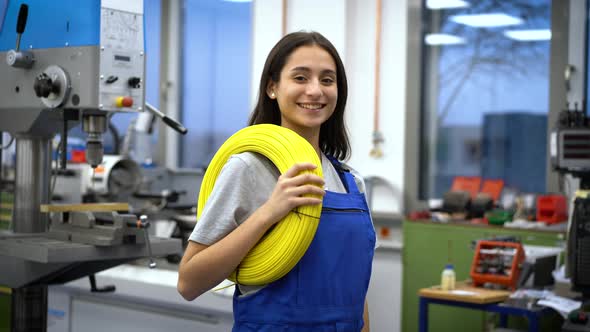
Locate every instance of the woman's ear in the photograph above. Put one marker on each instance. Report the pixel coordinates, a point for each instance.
(270, 90)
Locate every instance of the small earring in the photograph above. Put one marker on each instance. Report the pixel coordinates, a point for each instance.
(272, 94)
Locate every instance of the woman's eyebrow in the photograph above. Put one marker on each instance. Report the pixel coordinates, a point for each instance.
(306, 69)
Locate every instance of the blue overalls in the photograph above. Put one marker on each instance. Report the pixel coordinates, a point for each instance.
(326, 290)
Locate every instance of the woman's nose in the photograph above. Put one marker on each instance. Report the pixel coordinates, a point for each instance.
(314, 88)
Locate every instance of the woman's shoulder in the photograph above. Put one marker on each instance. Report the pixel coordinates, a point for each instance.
(248, 157)
(360, 182)
(357, 176)
(346, 167)
(254, 162)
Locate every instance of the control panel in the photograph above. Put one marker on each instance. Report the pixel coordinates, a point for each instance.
(90, 56)
(122, 61)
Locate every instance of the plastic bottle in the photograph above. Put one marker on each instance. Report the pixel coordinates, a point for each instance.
(448, 278)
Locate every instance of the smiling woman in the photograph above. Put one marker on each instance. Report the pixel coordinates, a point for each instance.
(306, 92)
(303, 87)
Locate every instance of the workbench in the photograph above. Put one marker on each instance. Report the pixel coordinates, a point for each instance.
(428, 246)
(478, 299)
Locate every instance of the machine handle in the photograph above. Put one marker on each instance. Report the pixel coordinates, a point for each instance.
(15, 58)
(144, 221)
(96, 289)
(21, 23)
(167, 120)
(22, 18)
(175, 125)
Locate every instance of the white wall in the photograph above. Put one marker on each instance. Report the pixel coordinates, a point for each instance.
(350, 26)
(361, 68)
(266, 31)
(327, 17)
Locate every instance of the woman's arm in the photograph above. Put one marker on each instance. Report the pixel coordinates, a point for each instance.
(366, 327)
(203, 267)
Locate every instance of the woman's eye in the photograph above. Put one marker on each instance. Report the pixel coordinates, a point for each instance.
(299, 78)
(328, 80)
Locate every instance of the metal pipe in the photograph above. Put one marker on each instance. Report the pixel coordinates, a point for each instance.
(284, 18)
(33, 165)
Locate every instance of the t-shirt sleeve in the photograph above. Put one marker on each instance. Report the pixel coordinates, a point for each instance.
(228, 205)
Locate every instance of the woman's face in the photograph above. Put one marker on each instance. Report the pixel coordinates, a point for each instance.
(306, 92)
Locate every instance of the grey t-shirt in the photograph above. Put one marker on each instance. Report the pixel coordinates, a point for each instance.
(246, 182)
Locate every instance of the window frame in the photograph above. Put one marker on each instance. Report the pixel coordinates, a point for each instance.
(560, 56)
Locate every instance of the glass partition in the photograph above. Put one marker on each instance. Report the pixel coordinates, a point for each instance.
(216, 72)
(485, 93)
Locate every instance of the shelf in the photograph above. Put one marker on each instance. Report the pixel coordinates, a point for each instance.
(390, 217)
(390, 244)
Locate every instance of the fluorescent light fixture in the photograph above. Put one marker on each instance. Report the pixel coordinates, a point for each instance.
(529, 35)
(487, 20)
(442, 39)
(237, 0)
(446, 4)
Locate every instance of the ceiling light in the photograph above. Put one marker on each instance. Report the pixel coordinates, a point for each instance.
(237, 0)
(486, 20)
(446, 4)
(529, 35)
(442, 39)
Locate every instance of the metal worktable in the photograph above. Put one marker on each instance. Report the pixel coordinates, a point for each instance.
(29, 259)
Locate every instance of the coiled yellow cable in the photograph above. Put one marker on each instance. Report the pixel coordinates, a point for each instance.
(283, 246)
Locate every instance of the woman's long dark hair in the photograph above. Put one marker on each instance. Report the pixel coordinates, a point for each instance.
(333, 135)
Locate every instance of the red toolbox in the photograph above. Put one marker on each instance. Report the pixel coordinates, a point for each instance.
(497, 262)
(551, 209)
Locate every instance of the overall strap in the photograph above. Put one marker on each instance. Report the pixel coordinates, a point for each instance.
(345, 176)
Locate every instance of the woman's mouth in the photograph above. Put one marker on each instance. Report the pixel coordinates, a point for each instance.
(311, 106)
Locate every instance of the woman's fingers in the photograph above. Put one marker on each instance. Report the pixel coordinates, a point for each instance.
(298, 168)
(294, 177)
(307, 189)
(300, 201)
(296, 187)
(306, 178)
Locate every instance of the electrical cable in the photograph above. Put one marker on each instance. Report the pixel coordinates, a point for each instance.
(282, 247)
(376, 151)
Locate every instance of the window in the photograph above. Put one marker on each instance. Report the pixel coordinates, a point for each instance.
(485, 93)
(216, 71)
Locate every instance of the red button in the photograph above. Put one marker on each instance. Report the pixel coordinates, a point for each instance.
(124, 101)
(127, 101)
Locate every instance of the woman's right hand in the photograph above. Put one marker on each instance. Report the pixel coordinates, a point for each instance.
(293, 189)
(204, 266)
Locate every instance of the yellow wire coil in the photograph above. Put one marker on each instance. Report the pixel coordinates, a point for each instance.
(283, 246)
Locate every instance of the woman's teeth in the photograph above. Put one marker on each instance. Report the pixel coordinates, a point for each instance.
(311, 106)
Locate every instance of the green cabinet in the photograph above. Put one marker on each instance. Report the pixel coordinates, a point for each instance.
(429, 246)
(5, 310)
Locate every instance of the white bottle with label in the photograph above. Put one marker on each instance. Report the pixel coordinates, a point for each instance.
(448, 278)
